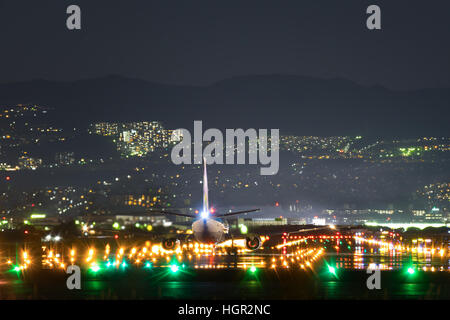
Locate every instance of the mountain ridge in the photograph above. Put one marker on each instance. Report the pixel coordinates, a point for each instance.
(300, 105)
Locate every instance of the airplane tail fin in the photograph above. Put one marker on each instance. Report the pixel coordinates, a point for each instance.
(205, 189)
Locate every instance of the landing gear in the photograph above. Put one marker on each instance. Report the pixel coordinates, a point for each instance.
(170, 243)
(232, 258)
(233, 250)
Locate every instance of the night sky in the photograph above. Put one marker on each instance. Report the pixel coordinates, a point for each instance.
(198, 42)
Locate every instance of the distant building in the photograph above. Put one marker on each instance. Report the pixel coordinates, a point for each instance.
(26, 162)
(418, 213)
(259, 222)
(129, 219)
(434, 215)
(318, 221)
(42, 221)
(65, 158)
(141, 138)
(296, 221)
(105, 129)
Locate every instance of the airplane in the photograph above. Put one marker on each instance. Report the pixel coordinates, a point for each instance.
(208, 229)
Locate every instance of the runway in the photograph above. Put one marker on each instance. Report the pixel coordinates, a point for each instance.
(312, 269)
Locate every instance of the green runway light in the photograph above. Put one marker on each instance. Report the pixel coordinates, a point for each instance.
(37, 216)
(148, 265)
(95, 268)
(411, 270)
(124, 264)
(174, 268)
(243, 228)
(332, 270)
(16, 269)
(253, 269)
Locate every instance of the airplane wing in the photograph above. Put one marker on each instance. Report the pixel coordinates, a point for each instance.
(310, 229)
(233, 213)
(173, 213)
(302, 230)
(215, 215)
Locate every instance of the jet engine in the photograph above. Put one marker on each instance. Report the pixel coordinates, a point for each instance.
(170, 243)
(253, 242)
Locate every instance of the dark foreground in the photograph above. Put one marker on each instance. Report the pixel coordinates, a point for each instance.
(161, 283)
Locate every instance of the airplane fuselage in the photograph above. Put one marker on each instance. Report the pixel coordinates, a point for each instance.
(208, 230)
